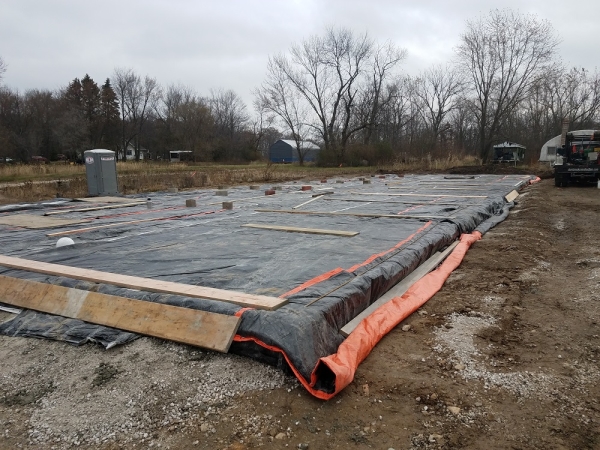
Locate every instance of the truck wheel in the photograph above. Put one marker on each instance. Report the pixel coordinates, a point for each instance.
(558, 181)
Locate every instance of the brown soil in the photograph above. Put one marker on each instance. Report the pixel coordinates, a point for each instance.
(505, 356)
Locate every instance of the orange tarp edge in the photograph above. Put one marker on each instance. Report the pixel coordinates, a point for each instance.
(372, 329)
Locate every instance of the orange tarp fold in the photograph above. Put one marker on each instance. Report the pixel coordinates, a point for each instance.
(372, 329)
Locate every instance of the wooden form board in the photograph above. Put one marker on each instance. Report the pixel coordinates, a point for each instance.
(239, 199)
(105, 199)
(420, 195)
(94, 208)
(97, 227)
(399, 289)
(511, 196)
(144, 284)
(325, 213)
(308, 201)
(185, 325)
(399, 202)
(35, 222)
(303, 230)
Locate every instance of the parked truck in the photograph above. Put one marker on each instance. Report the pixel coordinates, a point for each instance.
(577, 159)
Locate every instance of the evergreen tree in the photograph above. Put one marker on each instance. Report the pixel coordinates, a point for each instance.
(109, 110)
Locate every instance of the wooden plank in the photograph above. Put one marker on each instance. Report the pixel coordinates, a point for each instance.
(97, 227)
(399, 289)
(35, 222)
(398, 202)
(309, 201)
(302, 230)
(325, 213)
(94, 208)
(144, 284)
(104, 199)
(511, 196)
(421, 195)
(185, 325)
(239, 199)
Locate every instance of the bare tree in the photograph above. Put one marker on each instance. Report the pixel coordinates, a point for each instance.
(573, 94)
(325, 71)
(186, 120)
(229, 112)
(385, 59)
(3, 67)
(437, 91)
(502, 55)
(137, 99)
(231, 140)
(278, 98)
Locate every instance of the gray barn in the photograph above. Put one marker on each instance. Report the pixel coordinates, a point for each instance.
(284, 151)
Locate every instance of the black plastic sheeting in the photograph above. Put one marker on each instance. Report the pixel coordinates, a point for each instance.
(207, 246)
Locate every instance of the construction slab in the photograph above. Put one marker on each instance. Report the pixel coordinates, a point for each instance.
(325, 280)
(188, 326)
(34, 221)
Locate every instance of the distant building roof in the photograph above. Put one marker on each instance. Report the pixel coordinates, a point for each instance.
(304, 145)
(507, 144)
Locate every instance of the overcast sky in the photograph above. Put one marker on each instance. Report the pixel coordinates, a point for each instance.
(225, 43)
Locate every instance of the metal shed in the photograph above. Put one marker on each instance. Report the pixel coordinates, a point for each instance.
(285, 151)
(548, 151)
(509, 152)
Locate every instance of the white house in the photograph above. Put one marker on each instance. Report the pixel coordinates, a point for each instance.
(130, 153)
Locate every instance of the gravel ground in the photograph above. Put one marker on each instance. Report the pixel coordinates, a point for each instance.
(505, 356)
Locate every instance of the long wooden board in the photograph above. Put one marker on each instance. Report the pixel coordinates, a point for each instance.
(399, 202)
(35, 222)
(105, 199)
(94, 208)
(399, 289)
(309, 201)
(420, 195)
(97, 227)
(189, 326)
(302, 230)
(144, 284)
(325, 213)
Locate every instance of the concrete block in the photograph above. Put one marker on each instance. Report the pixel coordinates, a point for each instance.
(339, 181)
(277, 188)
(324, 180)
(269, 192)
(365, 181)
(172, 190)
(190, 203)
(227, 205)
(254, 187)
(225, 193)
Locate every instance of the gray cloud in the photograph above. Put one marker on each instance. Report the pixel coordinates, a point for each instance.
(209, 44)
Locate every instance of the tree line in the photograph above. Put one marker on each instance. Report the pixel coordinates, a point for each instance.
(343, 91)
